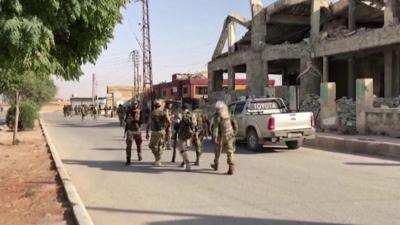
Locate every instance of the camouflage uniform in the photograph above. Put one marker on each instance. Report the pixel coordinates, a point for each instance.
(224, 132)
(121, 113)
(132, 129)
(84, 111)
(158, 122)
(168, 134)
(200, 132)
(185, 135)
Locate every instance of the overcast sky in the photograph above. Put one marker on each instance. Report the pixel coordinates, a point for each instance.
(184, 34)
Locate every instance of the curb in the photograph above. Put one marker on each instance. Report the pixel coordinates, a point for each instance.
(356, 146)
(79, 210)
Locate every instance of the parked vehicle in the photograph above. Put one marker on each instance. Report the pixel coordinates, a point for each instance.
(267, 120)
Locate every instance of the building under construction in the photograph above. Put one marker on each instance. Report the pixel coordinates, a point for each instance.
(309, 42)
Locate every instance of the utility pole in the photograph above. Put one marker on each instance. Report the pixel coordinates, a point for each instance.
(136, 75)
(147, 61)
(93, 87)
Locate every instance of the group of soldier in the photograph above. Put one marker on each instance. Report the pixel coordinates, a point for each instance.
(80, 110)
(187, 127)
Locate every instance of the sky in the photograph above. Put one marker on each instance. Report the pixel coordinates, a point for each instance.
(184, 34)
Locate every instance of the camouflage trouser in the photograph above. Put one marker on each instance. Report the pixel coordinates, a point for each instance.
(130, 137)
(197, 141)
(121, 119)
(183, 147)
(168, 139)
(228, 143)
(157, 143)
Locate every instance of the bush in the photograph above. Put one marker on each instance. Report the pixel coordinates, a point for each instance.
(29, 112)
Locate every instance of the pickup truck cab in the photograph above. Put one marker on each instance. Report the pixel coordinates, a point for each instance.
(267, 120)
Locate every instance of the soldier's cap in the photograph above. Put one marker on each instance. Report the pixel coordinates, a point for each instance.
(158, 102)
(220, 105)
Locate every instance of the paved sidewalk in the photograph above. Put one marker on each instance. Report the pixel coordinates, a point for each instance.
(359, 144)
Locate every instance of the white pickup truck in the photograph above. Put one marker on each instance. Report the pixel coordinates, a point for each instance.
(267, 120)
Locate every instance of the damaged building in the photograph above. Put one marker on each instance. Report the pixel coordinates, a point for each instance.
(310, 42)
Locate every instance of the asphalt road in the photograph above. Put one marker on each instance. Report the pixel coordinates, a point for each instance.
(280, 186)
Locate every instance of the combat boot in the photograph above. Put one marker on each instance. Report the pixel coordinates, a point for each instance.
(188, 168)
(182, 164)
(128, 162)
(231, 169)
(197, 163)
(140, 158)
(214, 166)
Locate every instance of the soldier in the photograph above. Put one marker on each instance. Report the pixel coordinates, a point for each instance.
(121, 113)
(200, 131)
(186, 131)
(167, 109)
(84, 111)
(158, 122)
(224, 132)
(133, 120)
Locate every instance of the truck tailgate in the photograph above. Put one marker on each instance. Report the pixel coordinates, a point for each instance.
(292, 121)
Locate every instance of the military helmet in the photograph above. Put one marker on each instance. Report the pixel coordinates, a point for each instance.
(158, 103)
(134, 103)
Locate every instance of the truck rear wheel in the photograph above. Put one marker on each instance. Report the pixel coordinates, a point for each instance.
(253, 141)
(294, 144)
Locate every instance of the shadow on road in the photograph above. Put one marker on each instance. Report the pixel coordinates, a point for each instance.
(204, 219)
(87, 125)
(108, 149)
(137, 167)
(371, 164)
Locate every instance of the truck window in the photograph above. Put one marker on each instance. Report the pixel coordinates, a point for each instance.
(239, 107)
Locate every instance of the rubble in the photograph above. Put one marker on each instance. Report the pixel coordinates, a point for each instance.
(346, 115)
(311, 103)
(387, 102)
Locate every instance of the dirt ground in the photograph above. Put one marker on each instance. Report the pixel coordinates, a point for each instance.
(53, 106)
(30, 190)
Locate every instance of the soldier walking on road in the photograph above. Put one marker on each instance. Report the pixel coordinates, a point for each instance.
(224, 132)
(133, 120)
(186, 131)
(167, 109)
(200, 131)
(158, 122)
(121, 113)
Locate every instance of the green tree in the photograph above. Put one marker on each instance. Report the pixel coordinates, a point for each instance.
(52, 37)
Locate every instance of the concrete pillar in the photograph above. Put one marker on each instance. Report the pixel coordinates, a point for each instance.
(292, 98)
(325, 69)
(256, 75)
(231, 37)
(388, 73)
(351, 15)
(315, 20)
(391, 12)
(350, 78)
(256, 7)
(364, 101)
(259, 31)
(231, 79)
(328, 114)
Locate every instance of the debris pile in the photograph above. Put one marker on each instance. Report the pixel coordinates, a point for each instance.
(311, 103)
(387, 102)
(346, 115)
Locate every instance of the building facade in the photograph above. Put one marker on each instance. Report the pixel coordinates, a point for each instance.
(309, 42)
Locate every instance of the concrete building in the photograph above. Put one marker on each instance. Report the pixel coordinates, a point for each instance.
(309, 42)
(77, 101)
(119, 94)
(188, 87)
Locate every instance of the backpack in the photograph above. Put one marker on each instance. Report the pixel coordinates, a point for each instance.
(186, 128)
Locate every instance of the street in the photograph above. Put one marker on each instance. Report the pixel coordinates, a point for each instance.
(277, 186)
